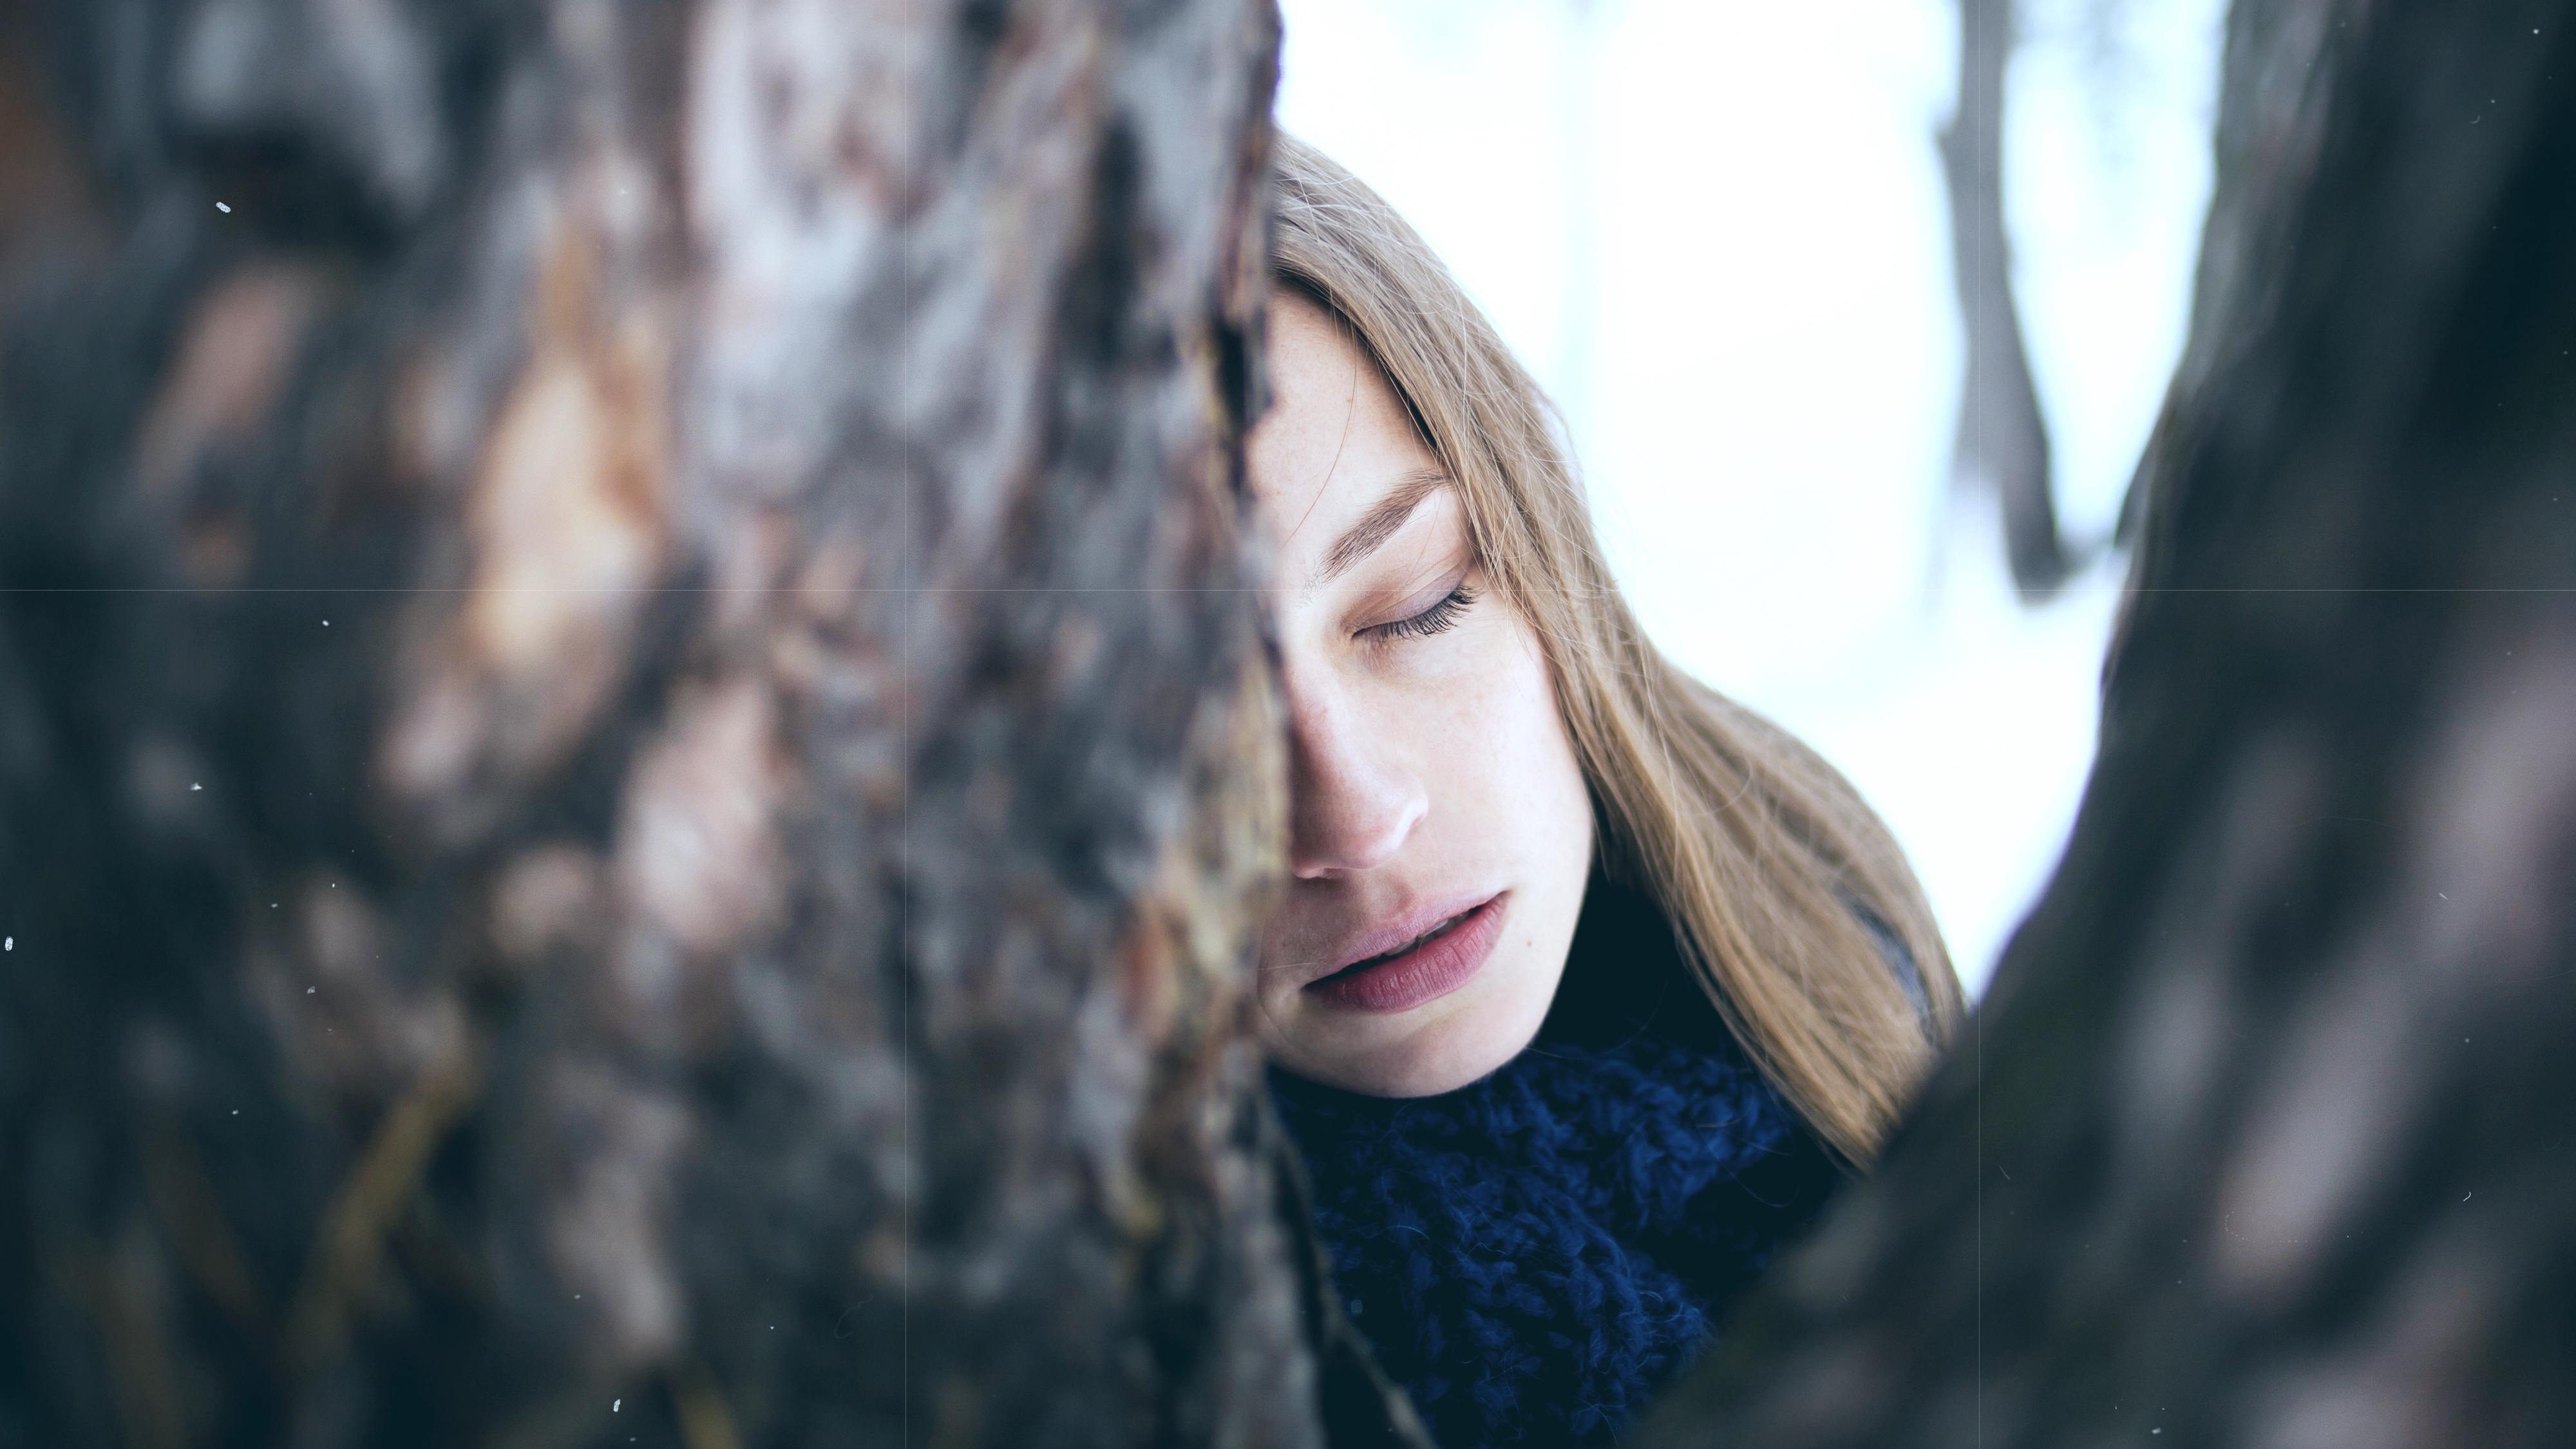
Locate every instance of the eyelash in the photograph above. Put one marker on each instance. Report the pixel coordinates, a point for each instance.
(1438, 618)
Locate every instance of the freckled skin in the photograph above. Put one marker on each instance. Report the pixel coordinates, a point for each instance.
(1425, 768)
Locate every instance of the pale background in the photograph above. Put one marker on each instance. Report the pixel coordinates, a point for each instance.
(1716, 231)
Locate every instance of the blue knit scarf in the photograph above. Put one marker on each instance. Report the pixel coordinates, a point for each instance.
(1534, 1254)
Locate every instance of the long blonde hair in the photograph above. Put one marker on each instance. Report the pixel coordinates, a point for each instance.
(1764, 859)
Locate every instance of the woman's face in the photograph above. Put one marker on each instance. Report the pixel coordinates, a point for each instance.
(1434, 791)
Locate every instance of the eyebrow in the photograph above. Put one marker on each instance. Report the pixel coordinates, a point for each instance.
(1380, 523)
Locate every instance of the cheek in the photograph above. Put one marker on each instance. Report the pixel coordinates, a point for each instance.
(1503, 741)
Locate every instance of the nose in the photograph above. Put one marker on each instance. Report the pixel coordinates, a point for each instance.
(1353, 799)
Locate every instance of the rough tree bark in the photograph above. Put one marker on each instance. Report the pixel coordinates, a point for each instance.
(634, 759)
(2271, 121)
(2261, 1136)
(2002, 446)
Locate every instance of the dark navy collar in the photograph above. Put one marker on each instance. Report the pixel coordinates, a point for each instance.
(1533, 1254)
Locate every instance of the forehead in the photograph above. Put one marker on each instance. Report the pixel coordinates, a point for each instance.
(1336, 438)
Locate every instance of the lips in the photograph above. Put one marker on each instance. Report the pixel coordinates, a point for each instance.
(1420, 966)
(1408, 929)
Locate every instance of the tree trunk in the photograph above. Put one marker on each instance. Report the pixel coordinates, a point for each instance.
(2002, 446)
(636, 765)
(2261, 1137)
(2271, 121)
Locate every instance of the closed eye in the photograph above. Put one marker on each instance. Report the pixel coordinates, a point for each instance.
(1436, 619)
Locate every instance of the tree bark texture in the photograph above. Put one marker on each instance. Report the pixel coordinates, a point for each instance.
(2261, 1136)
(2271, 121)
(2002, 445)
(638, 764)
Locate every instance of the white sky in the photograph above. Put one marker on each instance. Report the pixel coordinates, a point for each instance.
(1715, 230)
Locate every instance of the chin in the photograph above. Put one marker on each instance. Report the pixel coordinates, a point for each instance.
(1441, 1057)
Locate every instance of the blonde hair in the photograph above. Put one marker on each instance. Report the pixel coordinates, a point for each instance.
(1763, 858)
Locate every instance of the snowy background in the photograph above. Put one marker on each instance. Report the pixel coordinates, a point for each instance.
(1716, 230)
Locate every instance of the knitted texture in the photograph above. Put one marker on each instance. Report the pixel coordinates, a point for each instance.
(1534, 1254)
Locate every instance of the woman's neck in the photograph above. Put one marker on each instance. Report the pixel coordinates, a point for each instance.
(1625, 976)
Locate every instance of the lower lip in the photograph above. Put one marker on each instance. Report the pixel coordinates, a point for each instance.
(1425, 973)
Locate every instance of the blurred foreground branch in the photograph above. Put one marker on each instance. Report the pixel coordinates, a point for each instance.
(2261, 1136)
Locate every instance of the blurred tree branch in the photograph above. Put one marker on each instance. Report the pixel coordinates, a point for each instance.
(2259, 1137)
(2002, 443)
